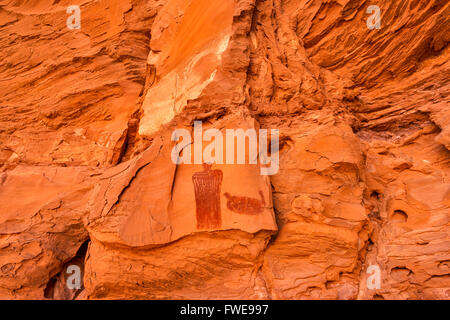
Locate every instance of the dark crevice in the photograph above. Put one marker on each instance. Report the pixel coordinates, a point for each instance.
(399, 216)
(57, 288)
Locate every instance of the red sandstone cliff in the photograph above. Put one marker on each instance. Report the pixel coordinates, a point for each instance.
(86, 176)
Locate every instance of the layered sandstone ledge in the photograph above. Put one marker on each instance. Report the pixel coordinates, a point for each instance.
(86, 176)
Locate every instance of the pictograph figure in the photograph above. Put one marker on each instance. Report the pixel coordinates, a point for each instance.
(245, 205)
(207, 185)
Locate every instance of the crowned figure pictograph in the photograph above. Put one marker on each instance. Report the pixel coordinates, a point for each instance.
(207, 184)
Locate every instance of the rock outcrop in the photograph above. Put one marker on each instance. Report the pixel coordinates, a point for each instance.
(88, 177)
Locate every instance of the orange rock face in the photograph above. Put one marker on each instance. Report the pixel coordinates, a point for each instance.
(357, 205)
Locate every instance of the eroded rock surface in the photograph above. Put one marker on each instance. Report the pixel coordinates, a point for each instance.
(87, 176)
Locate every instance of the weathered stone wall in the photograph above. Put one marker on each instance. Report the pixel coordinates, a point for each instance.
(86, 177)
